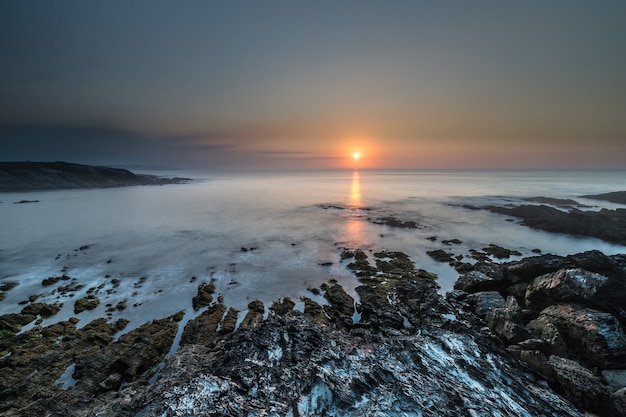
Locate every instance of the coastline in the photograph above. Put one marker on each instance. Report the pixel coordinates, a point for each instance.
(96, 361)
(93, 370)
(37, 176)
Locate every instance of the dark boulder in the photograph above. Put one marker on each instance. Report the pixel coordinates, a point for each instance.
(564, 285)
(596, 337)
(585, 389)
(506, 322)
(484, 302)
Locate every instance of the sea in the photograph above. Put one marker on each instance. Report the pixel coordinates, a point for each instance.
(265, 235)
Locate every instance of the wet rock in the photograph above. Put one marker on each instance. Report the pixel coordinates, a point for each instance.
(506, 322)
(13, 322)
(597, 338)
(89, 302)
(565, 285)
(500, 252)
(535, 359)
(393, 222)
(292, 365)
(393, 262)
(314, 310)
(204, 296)
(256, 309)
(475, 281)
(440, 255)
(229, 323)
(283, 306)
(376, 309)
(203, 329)
(608, 225)
(560, 202)
(529, 268)
(545, 329)
(582, 387)
(615, 378)
(614, 197)
(132, 356)
(42, 309)
(341, 305)
(485, 302)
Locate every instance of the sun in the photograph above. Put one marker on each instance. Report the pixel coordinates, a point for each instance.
(356, 156)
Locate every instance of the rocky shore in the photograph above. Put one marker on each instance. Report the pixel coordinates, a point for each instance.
(31, 176)
(542, 336)
(567, 217)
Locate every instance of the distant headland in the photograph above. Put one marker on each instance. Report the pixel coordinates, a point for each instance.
(31, 176)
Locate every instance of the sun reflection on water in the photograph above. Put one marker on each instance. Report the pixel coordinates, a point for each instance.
(355, 222)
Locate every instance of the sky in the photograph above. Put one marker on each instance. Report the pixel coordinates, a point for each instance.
(296, 84)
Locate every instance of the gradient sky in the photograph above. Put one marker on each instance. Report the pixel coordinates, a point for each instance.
(289, 84)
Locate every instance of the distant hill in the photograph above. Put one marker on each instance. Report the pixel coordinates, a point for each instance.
(30, 176)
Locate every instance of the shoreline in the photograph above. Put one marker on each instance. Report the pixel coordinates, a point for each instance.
(396, 302)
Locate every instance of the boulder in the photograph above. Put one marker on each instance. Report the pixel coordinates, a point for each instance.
(615, 378)
(506, 322)
(485, 302)
(597, 338)
(89, 302)
(544, 329)
(564, 285)
(204, 296)
(583, 388)
(529, 268)
(475, 281)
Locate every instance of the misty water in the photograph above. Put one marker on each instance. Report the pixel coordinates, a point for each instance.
(154, 239)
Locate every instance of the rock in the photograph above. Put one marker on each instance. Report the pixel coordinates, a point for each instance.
(560, 202)
(545, 329)
(500, 252)
(255, 314)
(393, 222)
(615, 378)
(484, 302)
(89, 302)
(582, 387)
(475, 281)
(229, 322)
(291, 365)
(341, 306)
(506, 322)
(204, 296)
(565, 285)
(41, 309)
(393, 262)
(282, 307)
(529, 268)
(376, 309)
(614, 197)
(203, 329)
(440, 255)
(608, 225)
(536, 360)
(314, 310)
(597, 338)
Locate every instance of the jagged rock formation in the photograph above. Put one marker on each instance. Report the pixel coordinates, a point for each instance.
(396, 349)
(563, 316)
(29, 176)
